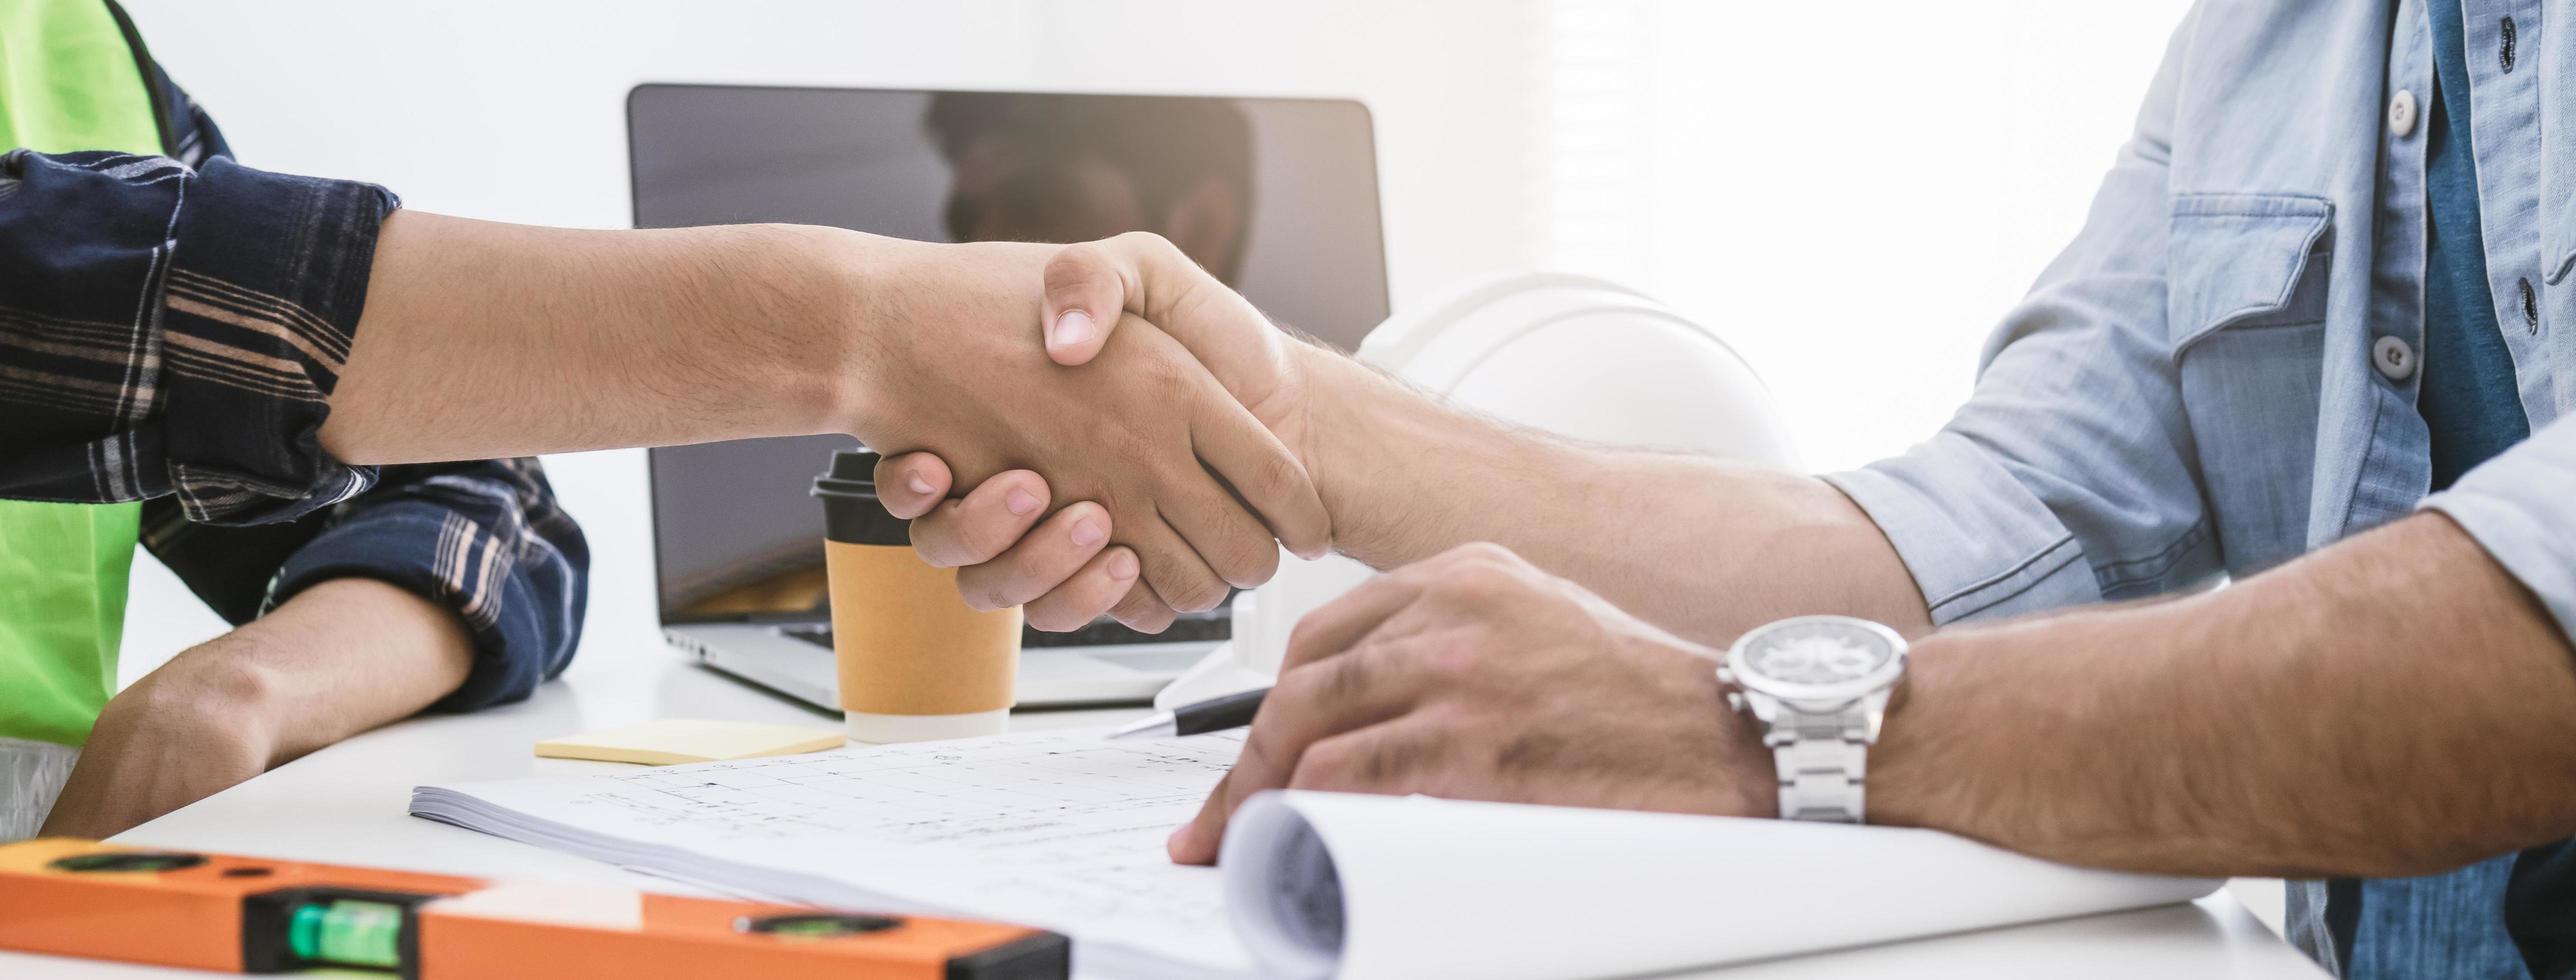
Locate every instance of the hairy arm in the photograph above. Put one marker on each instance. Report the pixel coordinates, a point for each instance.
(337, 659)
(1405, 476)
(484, 339)
(1702, 547)
(2395, 704)
(480, 339)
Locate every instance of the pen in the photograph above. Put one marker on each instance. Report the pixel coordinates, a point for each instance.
(1211, 715)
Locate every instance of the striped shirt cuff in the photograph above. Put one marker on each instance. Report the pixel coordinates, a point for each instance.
(268, 274)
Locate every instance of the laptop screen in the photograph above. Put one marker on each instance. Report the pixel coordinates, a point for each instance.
(1278, 197)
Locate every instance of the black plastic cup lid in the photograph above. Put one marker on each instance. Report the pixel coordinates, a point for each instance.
(853, 473)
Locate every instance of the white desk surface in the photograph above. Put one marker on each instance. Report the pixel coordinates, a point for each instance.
(347, 804)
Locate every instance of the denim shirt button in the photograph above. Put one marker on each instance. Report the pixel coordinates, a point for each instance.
(2394, 358)
(2401, 114)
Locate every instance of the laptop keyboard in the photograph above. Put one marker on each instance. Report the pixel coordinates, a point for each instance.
(1212, 626)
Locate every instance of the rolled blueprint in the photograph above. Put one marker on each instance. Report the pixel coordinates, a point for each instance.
(1364, 887)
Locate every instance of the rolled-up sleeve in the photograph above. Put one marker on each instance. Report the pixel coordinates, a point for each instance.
(1977, 542)
(2521, 507)
(174, 330)
(171, 332)
(486, 540)
(2070, 475)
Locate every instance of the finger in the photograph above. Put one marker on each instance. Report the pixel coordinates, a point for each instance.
(1084, 296)
(1337, 626)
(1392, 759)
(1143, 611)
(1198, 841)
(990, 519)
(1087, 595)
(1230, 540)
(1306, 706)
(1173, 568)
(911, 484)
(1265, 475)
(1043, 559)
(1161, 284)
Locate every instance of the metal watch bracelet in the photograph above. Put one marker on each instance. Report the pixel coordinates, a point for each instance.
(1821, 760)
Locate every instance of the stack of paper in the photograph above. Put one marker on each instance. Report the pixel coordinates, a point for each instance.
(1062, 831)
(1065, 831)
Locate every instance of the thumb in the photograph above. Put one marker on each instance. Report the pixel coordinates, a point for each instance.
(911, 484)
(1084, 296)
(1143, 274)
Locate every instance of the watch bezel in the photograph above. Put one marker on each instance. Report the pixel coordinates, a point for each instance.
(1815, 697)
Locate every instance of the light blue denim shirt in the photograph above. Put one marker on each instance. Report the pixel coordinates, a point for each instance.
(2220, 373)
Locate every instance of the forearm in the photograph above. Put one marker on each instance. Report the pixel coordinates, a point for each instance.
(481, 339)
(2392, 705)
(1703, 547)
(337, 659)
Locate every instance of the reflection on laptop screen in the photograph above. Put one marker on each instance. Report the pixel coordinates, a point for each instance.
(1278, 197)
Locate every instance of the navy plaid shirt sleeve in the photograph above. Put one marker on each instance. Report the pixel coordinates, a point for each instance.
(170, 332)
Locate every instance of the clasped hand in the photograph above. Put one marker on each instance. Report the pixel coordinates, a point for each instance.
(1470, 675)
(1184, 491)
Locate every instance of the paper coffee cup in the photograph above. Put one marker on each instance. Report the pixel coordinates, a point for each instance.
(916, 662)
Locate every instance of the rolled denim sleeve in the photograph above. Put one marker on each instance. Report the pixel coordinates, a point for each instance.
(167, 329)
(2521, 507)
(2070, 475)
(485, 539)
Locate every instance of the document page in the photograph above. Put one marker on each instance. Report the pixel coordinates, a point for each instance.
(1061, 831)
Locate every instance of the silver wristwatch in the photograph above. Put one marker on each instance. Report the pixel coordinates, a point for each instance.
(1818, 686)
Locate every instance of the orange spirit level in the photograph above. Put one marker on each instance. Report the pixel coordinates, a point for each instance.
(248, 915)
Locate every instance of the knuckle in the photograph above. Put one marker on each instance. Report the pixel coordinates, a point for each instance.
(981, 589)
(1142, 612)
(1198, 594)
(1075, 269)
(1132, 446)
(1449, 659)
(1348, 679)
(1172, 371)
(934, 539)
(1144, 242)
(979, 539)
(1245, 559)
(1300, 689)
(1333, 762)
(1261, 564)
(1260, 747)
(1277, 473)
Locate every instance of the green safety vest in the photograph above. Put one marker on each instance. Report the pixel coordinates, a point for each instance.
(71, 78)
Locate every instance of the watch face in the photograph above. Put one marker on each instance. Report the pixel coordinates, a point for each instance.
(1817, 652)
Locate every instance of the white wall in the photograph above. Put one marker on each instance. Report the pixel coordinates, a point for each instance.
(1855, 190)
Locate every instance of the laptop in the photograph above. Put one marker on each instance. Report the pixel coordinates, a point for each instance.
(1278, 197)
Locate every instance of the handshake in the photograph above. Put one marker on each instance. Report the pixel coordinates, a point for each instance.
(1107, 428)
(1155, 453)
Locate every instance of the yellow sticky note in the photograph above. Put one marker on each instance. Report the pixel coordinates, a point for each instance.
(671, 741)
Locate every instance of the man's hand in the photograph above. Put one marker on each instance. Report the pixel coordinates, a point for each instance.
(1060, 570)
(1473, 675)
(1139, 431)
(337, 659)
